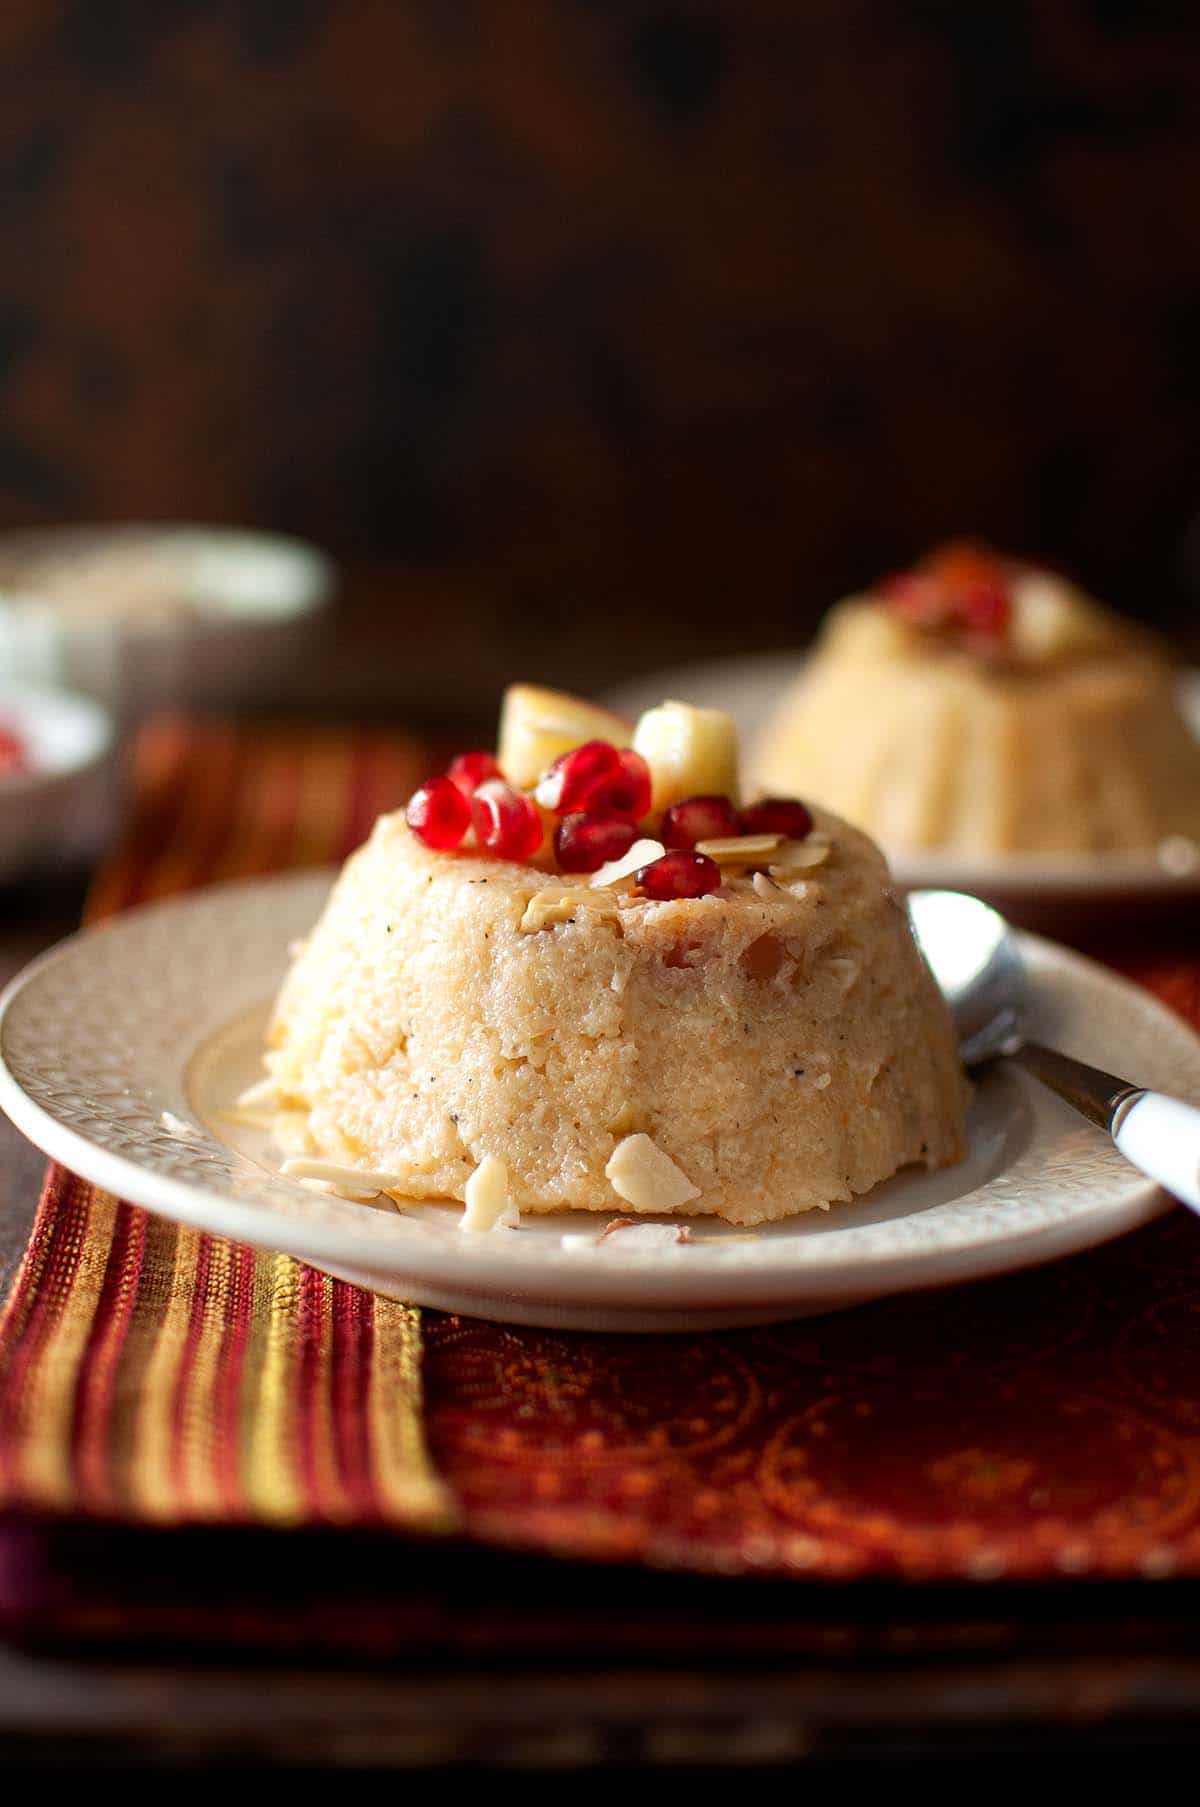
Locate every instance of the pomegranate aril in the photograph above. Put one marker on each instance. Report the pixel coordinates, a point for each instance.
(13, 754)
(506, 821)
(569, 782)
(627, 791)
(586, 841)
(922, 600)
(439, 814)
(777, 815)
(470, 770)
(985, 610)
(679, 874)
(698, 819)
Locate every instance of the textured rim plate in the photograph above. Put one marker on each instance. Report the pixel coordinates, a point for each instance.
(162, 1011)
(751, 687)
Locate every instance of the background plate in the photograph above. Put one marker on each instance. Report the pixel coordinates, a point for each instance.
(1036, 888)
(162, 1011)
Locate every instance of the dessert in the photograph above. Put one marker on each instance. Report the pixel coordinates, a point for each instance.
(983, 706)
(577, 975)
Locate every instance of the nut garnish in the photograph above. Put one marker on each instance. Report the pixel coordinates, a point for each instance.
(766, 886)
(555, 905)
(800, 856)
(486, 1202)
(640, 1172)
(624, 870)
(741, 849)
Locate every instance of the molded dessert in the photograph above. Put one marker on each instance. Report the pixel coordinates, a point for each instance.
(586, 999)
(981, 706)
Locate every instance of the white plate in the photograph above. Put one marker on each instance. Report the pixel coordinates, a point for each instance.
(163, 1010)
(249, 606)
(1020, 884)
(58, 807)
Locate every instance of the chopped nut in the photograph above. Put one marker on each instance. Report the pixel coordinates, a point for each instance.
(554, 905)
(646, 1235)
(642, 853)
(486, 1202)
(648, 1179)
(766, 886)
(800, 856)
(741, 849)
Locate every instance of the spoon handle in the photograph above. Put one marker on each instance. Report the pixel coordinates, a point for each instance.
(1159, 1134)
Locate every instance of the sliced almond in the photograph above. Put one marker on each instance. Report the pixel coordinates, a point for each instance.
(555, 905)
(766, 886)
(486, 1201)
(741, 849)
(616, 872)
(799, 856)
(639, 1172)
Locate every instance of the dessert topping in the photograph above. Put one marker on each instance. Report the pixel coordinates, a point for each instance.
(589, 840)
(647, 1178)
(961, 589)
(624, 870)
(470, 770)
(690, 752)
(742, 849)
(777, 815)
(698, 819)
(679, 874)
(486, 1198)
(506, 821)
(439, 814)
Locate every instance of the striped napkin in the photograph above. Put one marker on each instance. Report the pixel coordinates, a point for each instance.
(1044, 1424)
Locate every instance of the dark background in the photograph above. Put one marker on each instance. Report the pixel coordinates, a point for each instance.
(592, 334)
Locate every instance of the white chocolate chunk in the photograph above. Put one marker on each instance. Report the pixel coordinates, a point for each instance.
(486, 1200)
(741, 849)
(646, 1178)
(642, 853)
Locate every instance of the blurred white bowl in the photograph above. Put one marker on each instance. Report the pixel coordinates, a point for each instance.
(143, 616)
(61, 807)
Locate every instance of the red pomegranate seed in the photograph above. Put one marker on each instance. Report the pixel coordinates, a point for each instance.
(584, 842)
(438, 814)
(985, 609)
(698, 819)
(627, 791)
(568, 784)
(13, 754)
(506, 821)
(777, 815)
(960, 563)
(921, 599)
(680, 874)
(470, 770)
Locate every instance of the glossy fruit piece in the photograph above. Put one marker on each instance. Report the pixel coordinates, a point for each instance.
(777, 815)
(699, 819)
(506, 822)
(625, 792)
(569, 783)
(586, 841)
(691, 752)
(680, 874)
(470, 770)
(961, 563)
(537, 725)
(920, 599)
(14, 756)
(438, 814)
(984, 609)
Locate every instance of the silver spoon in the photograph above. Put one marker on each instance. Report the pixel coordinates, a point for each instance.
(974, 957)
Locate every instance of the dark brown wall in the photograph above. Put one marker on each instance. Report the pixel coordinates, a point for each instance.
(715, 308)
